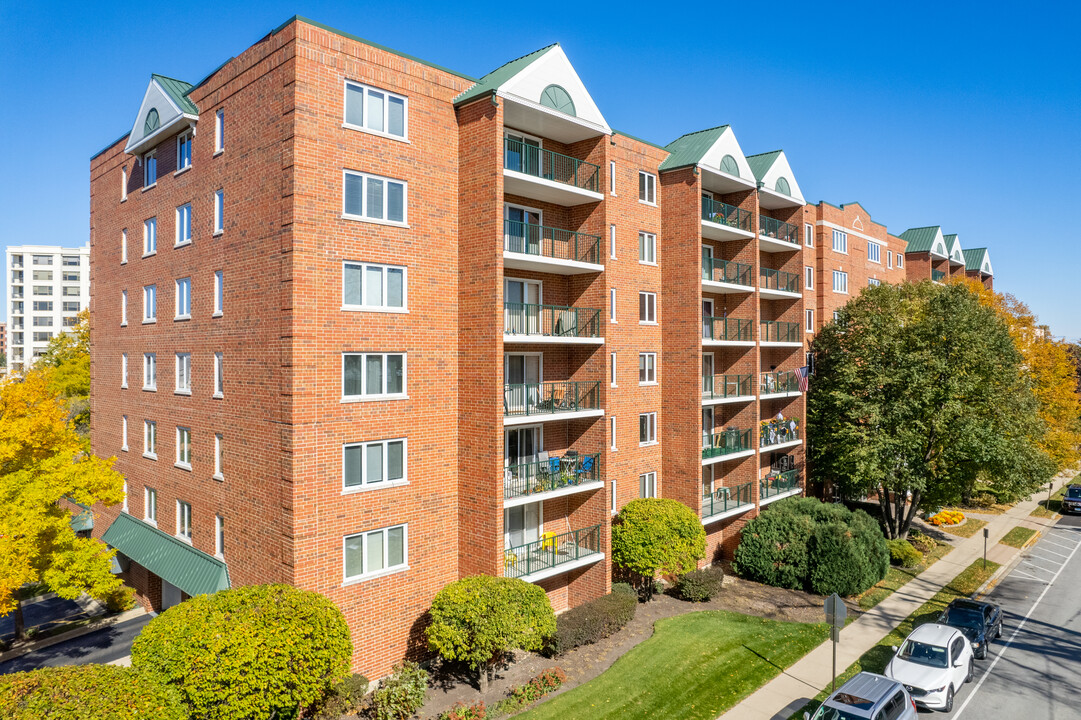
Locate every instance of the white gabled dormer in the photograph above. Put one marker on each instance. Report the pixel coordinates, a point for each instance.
(953, 249)
(777, 186)
(926, 240)
(165, 110)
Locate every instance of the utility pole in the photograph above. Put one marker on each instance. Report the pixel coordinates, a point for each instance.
(985, 533)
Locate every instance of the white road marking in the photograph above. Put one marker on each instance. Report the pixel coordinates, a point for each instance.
(1056, 561)
(1037, 567)
(1033, 577)
(1047, 538)
(1061, 555)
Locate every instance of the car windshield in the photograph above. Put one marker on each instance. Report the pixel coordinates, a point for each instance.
(830, 713)
(963, 617)
(923, 654)
(1074, 493)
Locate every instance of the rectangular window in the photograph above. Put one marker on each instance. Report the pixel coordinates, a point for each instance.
(124, 370)
(219, 382)
(43, 276)
(150, 439)
(612, 241)
(150, 236)
(68, 292)
(647, 368)
(808, 277)
(150, 169)
(219, 293)
(41, 337)
(43, 306)
(124, 433)
(74, 306)
(183, 520)
(647, 248)
(647, 188)
(647, 307)
(809, 320)
(840, 281)
(900, 260)
(123, 308)
(218, 457)
(375, 553)
(219, 536)
(612, 305)
(43, 290)
(373, 376)
(150, 505)
(374, 464)
(43, 260)
(612, 177)
(70, 261)
(612, 431)
(809, 235)
(70, 321)
(183, 299)
(836, 316)
(647, 428)
(614, 505)
(123, 246)
(874, 252)
(647, 485)
(183, 225)
(840, 242)
(70, 276)
(123, 183)
(366, 286)
(183, 448)
(219, 211)
(612, 377)
(183, 373)
(377, 111)
(150, 303)
(219, 131)
(150, 371)
(889, 259)
(183, 151)
(370, 197)
(873, 282)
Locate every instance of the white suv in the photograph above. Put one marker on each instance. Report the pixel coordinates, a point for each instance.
(932, 663)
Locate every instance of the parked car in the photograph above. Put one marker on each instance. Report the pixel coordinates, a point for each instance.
(932, 663)
(981, 622)
(867, 696)
(1071, 501)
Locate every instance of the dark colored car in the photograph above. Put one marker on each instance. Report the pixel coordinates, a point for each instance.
(1071, 501)
(980, 622)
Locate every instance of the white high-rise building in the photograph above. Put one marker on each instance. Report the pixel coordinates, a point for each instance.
(47, 287)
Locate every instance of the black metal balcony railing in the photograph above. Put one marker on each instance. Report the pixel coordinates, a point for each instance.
(779, 280)
(722, 328)
(551, 320)
(780, 381)
(550, 397)
(778, 230)
(776, 483)
(547, 475)
(726, 271)
(775, 432)
(775, 331)
(538, 162)
(938, 275)
(726, 442)
(715, 211)
(551, 551)
(718, 387)
(550, 242)
(723, 499)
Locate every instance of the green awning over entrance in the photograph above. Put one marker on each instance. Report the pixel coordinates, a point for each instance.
(170, 558)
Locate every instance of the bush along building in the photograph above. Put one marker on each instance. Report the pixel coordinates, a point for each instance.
(366, 325)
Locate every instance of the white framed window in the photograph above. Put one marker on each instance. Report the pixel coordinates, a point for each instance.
(874, 252)
(612, 305)
(150, 236)
(218, 450)
(647, 368)
(183, 151)
(219, 293)
(889, 259)
(368, 286)
(123, 308)
(183, 373)
(219, 131)
(183, 225)
(840, 241)
(183, 520)
(219, 212)
(612, 178)
(219, 381)
(374, 199)
(836, 315)
(808, 234)
(647, 428)
(840, 281)
(873, 282)
(373, 376)
(150, 371)
(381, 463)
(647, 248)
(647, 308)
(614, 503)
(374, 553)
(124, 437)
(900, 260)
(376, 111)
(647, 485)
(183, 299)
(150, 169)
(183, 448)
(123, 183)
(124, 370)
(150, 505)
(647, 188)
(612, 372)
(124, 507)
(150, 439)
(808, 277)
(219, 536)
(612, 241)
(612, 431)
(124, 246)
(809, 320)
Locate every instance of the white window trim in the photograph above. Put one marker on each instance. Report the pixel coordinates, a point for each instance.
(647, 235)
(123, 308)
(647, 355)
(150, 319)
(613, 503)
(367, 486)
(900, 260)
(612, 432)
(152, 154)
(352, 579)
(219, 294)
(612, 241)
(177, 241)
(124, 246)
(147, 452)
(150, 361)
(381, 133)
(889, 259)
(219, 372)
(612, 377)
(877, 245)
(844, 275)
(808, 235)
(653, 425)
(654, 295)
(654, 177)
(404, 395)
(219, 212)
(219, 537)
(124, 184)
(148, 493)
(809, 320)
(180, 536)
(182, 390)
(186, 135)
(652, 480)
(177, 315)
(612, 306)
(404, 309)
(844, 237)
(612, 179)
(124, 447)
(404, 223)
(219, 132)
(123, 371)
(808, 277)
(182, 464)
(218, 457)
(150, 232)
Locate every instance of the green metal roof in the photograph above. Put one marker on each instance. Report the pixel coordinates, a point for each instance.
(920, 239)
(178, 91)
(974, 258)
(761, 163)
(635, 137)
(83, 520)
(491, 82)
(689, 149)
(170, 558)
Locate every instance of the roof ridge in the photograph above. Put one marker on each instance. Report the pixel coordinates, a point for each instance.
(698, 132)
(523, 57)
(169, 77)
(770, 152)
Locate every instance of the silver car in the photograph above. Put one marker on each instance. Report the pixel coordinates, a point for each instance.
(867, 696)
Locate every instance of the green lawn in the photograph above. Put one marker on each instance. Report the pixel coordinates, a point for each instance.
(1017, 537)
(970, 528)
(1049, 511)
(875, 659)
(898, 576)
(695, 666)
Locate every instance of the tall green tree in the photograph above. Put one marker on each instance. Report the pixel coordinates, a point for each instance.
(918, 391)
(66, 364)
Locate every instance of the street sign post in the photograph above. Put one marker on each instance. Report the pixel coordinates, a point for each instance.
(836, 612)
(985, 548)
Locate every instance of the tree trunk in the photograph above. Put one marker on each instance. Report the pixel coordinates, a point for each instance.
(887, 516)
(910, 514)
(483, 675)
(19, 621)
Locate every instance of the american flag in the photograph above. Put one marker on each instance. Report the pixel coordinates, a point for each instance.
(802, 375)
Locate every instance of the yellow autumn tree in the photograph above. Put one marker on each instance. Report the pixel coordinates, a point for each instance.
(44, 461)
(1048, 364)
(67, 363)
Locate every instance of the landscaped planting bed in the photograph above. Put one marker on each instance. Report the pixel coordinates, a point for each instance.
(1018, 537)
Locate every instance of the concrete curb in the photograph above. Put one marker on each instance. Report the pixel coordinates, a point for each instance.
(71, 634)
(1007, 567)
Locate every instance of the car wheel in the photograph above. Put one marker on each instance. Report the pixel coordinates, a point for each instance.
(998, 631)
(983, 652)
(971, 672)
(949, 700)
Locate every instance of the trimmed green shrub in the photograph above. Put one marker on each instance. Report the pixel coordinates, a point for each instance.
(701, 585)
(254, 653)
(89, 692)
(477, 619)
(656, 535)
(904, 554)
(594, 620)
(836, 566)
(346, 696)
(773, 548)
(923, 543)
(401, 693)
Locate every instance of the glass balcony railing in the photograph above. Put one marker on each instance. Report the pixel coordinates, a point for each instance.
(723, 499)
(551, 551)
(726, 442)
(718, 387)
(778, 280)
(550, 397)
(549, 474)
(721, 213)
(775, 331)
(938, 275)
(550, 242)
(722, 328)
(776, 483)
(538, 162)
(773, 228)
(551, 320)
(780, 381)
(775, 432)
(726, 271)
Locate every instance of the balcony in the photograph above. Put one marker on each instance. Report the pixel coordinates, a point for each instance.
(777, 236)
(726, 501)
(726, 331)
(778, 284)
(547, 249)
(777, 485)
(779, 434)
(778, 384)
(548, 176)
(551, 477)
(937, 276)
(541, 402)
(725, 276)
(780, 334)
(721, 221)
(729, 444)
(526, 323)
(553, 554)
(717, 389)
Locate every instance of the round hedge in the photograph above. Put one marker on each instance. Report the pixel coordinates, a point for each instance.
(253, 653)
(89, 692)
(652, 535)
(773, 549)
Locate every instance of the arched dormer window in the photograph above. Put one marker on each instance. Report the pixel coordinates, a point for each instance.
(782, 187)
(559, 99)
(729, 165)
(152, 121)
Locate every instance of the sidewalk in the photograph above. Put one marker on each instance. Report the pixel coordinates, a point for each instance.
(791, 690)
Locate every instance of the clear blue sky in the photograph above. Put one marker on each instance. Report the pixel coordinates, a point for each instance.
(946, 114)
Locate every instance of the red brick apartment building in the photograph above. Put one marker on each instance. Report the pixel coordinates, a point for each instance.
(413, 326)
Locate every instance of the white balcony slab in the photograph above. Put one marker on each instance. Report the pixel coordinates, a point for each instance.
(539, 263)
(550, 417)
(773, 294)
(782, 446)
(738, 510)
(563, 568)
(706, 342)
(545, 190)
(775, 245)
(729, 456)
(509, 339)
(775, 396)
(569, 490)
(723, 233)
(775, 343)
(724, 288)
(727, 400)
(780, 496)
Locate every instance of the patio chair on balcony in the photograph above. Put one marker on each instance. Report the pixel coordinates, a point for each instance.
(586, 466)
(548, 541)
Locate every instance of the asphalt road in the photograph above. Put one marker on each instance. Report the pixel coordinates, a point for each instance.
(102, 646)
(1032, 672)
